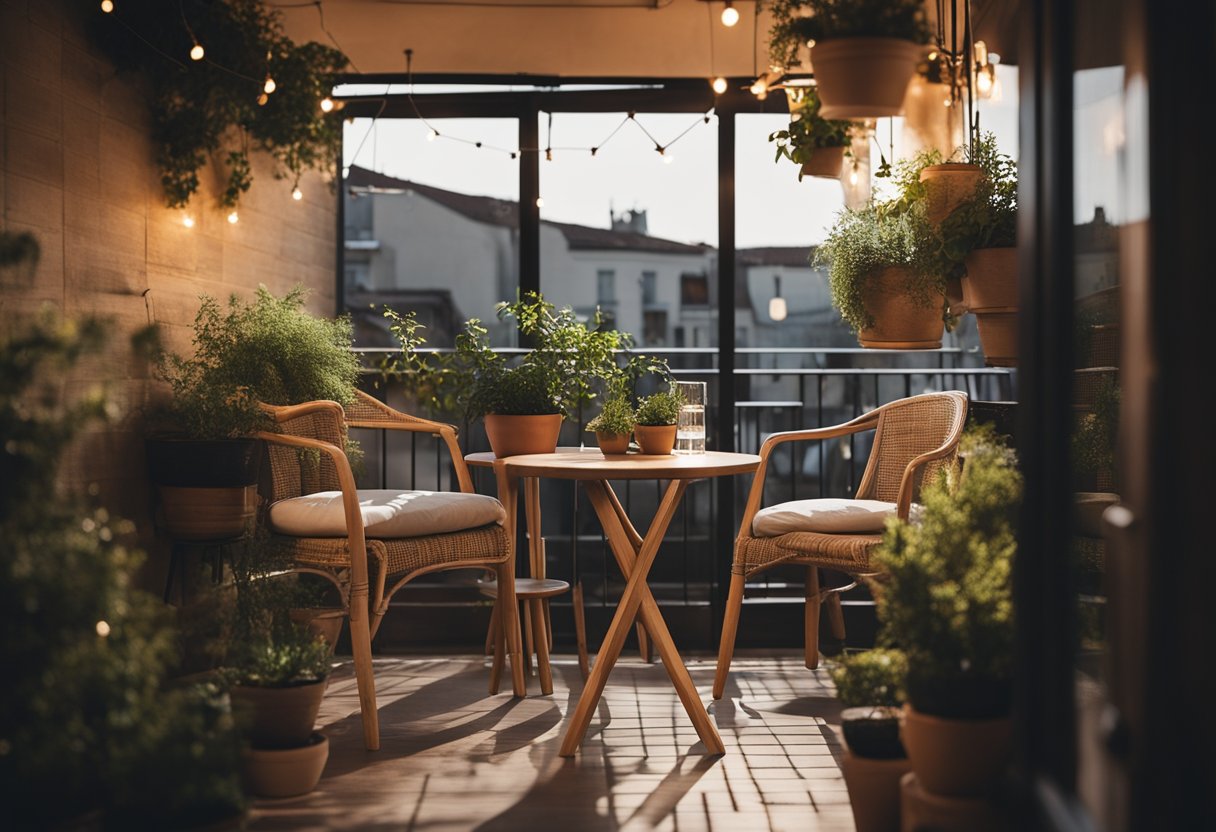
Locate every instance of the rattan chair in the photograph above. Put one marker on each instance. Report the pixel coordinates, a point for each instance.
(307, 458)
(913, 439)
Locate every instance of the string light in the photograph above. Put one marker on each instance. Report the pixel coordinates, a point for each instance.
(327, 104)
(296, 193)
(730, 15)
(759, 89)
(668, 158)
(233, 217)
(270, 86)
(853, 175)
(188, 221)
(103, 627)
(197, 52)
(432, 135)
(719, 85)
(262, 99)
(107, 6)
(540, 202)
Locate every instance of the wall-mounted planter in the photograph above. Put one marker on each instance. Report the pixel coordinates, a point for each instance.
(863, 77)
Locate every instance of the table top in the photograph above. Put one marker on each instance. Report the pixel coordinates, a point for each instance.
(591, 464)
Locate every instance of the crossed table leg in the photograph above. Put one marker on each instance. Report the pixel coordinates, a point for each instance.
(635, 556)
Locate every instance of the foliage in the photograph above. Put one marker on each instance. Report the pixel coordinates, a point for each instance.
(989, 218)
(87, 721)
(1094, 440)
(868, 240)
(870, 678)
(217, 105)
(617, 416)
(661, 408)
(292, 657)
(266, 350)
(948, 601)
(797, 21)
(905, 177)
(808, 132)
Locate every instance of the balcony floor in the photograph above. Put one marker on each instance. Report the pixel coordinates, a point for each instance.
(452, 757)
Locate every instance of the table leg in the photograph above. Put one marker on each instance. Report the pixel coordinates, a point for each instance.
(508, 608)
(635, 541)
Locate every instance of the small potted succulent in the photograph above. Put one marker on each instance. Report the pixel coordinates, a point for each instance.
(863, 52)
(812, 142)
(614, 424)
(657, 416)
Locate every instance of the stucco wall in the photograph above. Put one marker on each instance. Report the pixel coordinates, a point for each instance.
(77, 169)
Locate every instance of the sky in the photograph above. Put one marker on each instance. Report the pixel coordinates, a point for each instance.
(678, 189)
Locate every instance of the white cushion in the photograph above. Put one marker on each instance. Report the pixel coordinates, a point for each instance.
(827, 515)
(386, 513)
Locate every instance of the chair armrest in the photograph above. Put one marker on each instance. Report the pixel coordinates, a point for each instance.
(388, 418)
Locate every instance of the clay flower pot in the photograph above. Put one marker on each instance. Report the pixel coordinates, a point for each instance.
(519, 435)
(286, 772)
(278, 717)
(324, 622)
(921, 809)
(874, 790)
(947, 186)
(957, 757)
(863, 77)
(655, 440)
(207, 488)
(990, 292)
(900, 323)
(825, 162)
(612, 443)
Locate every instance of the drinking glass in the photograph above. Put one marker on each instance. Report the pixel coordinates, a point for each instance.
(690, 427)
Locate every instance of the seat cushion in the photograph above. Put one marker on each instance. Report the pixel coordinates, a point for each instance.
(827, 515)
(387, 513)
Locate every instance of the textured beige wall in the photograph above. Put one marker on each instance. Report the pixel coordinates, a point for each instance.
(77, 168)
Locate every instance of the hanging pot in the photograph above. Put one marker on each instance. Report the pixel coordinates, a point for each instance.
(990, 291)
(862, 78)
(519, 435)
(655, 440)
(612, 443)
(957, 757)
(286, 772)
(825, 162)
(947, 186)
(900, 322)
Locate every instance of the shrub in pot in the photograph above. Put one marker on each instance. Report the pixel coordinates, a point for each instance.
(657, 415)
(864, 51)
(948, 605)
(812, 142)
(614, 424)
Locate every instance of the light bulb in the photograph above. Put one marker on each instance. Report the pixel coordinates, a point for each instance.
(730, 15)
(759, 89)
(296, 193)
(188, 221)
(327, 104)
(810, 43)
(432, 135)
(719, 85)
(262, 99)
(853, 175)
(668, 158)
(777, 309)
(269, 86)
(233, 218)
(197, 52)
(540, 202)
(983, 82)
(107, 6)
(345, 171)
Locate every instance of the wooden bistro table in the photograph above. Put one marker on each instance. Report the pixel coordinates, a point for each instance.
(634, 554)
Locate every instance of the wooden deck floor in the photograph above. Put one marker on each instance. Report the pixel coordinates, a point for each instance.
(454, 758)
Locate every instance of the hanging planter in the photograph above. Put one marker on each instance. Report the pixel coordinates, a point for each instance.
(812, 142)
(825, 164)
(990, 292)
(901, 320)
(947, 186)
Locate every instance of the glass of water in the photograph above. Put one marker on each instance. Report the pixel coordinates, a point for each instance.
(690, 427)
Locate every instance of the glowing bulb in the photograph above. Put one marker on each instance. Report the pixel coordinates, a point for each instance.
(346, 171)
(107, 6)
(327, 104)
(810, 43)
(296, 193)
(233, 218)
(853, 175)
(540, 202)
(730, 15)
(269, 86)
(262, 99)
(103, 627)
(432, 135)
(777, 308)
(197, 52)
(188, 221)
(719, 85)
(668, 158)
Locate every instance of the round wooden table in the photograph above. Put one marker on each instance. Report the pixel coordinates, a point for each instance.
(635, 553)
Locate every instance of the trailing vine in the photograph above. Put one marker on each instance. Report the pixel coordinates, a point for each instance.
(224, 104)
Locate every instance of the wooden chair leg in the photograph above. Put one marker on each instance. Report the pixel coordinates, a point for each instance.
(580, 630)
(509, 609)
(544, 603)
(730, 627)
(498, 646)
(810, 625)
(541, 636)
(835, 615)
(361, 646)
(528, 648)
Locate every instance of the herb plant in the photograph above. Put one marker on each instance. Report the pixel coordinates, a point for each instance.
(989, 218)
(617, 416)
(808, 132)
(870, 678)
(661, 408)
(836, 19)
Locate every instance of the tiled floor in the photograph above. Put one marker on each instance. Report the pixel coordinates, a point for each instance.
(452, 757)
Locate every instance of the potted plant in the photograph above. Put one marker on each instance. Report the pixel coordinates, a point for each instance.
(655, 427)
(267, 349)
(863, 52)
(812, 142)
(948, 604)
(880, 280)
(614, 424)
(870, 687)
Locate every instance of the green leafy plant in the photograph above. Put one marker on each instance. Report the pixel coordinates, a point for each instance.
(948, 602)
(292, 657)
(797, 21)
(989, 218)
(1095, 437)
(872, 677)
(868, 240)
(808, 132)
(661, 408)
(266, 350)
(219, 105)
(617, 416)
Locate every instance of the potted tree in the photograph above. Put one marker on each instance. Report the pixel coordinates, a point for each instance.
(863, 52)
(948, 604)
(657, 416)
(812, 142)
(267, 349)
(870, 687)
(614, 424)
(880, 280)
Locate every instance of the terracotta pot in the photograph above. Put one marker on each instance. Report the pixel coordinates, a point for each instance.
(874, 791)
(899, 321)
(656, 440)
(990, 291)
(957, 757)
(324, 622)
(947, 186)
(954, 296)
(277, 717)
(826, 162)
(286, 772)
(519, 435)
(207, 513)
(612, 443)
(863, 77)
(921, 810)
